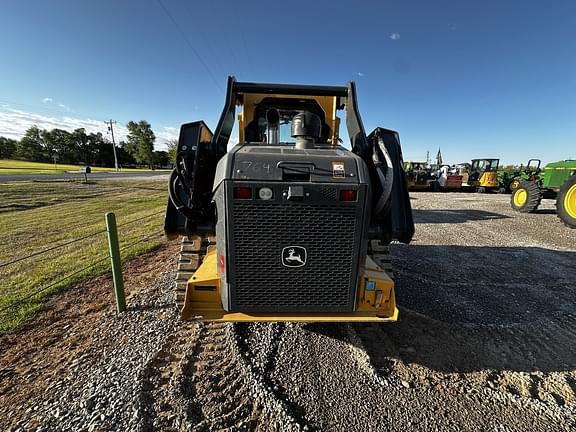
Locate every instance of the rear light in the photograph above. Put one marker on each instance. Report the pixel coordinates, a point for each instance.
(265, 193)
(222, 264)
(348, 195)
(242, 192)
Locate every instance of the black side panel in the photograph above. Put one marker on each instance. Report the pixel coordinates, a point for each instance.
(355, 127)
(174, 222)
(360, 144)
(398, 223)
(226, 122)
(190, 186)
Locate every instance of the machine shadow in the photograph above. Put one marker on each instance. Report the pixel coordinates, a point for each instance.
(467, 309)
(142, 307)
(454, 216)
(545, 211)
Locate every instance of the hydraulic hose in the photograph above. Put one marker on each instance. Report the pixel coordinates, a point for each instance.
(385, 170)
(174, 184)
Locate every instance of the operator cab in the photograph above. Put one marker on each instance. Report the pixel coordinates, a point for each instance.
(482, 165)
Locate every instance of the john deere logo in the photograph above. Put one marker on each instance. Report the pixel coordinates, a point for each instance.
(293, 256)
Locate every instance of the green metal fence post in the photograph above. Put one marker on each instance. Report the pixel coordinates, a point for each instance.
(116, 262)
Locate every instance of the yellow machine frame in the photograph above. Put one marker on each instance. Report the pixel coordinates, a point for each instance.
(488, 179)
(375, 300)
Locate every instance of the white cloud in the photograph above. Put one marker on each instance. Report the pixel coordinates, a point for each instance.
(47, 100)
(233, 141)
(14, 122)
(163, 135)
(67, 108)
(395, 36)
(360, 74)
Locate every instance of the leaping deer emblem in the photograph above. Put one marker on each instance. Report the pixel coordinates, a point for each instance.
(294, 256)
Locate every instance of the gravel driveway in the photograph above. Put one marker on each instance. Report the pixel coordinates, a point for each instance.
(486, 341)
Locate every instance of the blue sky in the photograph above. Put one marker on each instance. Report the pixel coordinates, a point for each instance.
(478, 79)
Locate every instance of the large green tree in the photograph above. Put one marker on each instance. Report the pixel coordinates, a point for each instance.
(141, 142)
(99, 148)
(124, 156)
(83, 146)
(31, 146)
(7, 148)
(161, 159)
(59, 146)
(172, 146)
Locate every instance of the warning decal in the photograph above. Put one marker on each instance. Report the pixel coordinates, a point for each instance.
(338, 170)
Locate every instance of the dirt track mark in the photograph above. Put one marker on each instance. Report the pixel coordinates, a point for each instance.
(205, 379)
(260, 354)
(157, 380)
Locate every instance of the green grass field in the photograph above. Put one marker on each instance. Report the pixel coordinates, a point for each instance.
(37, 216)
(8, 166)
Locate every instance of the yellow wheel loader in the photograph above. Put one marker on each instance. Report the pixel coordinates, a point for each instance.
(483, 175)
(287, 225)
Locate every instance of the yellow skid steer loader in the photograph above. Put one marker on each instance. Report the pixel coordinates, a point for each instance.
(287, 225)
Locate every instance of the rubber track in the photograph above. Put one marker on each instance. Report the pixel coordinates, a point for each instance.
(380, 253)
(192, 252)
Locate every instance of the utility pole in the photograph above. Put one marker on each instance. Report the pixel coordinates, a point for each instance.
(110, 124)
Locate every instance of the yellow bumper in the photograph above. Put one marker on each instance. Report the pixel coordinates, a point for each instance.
(223, 316)
(375, 302)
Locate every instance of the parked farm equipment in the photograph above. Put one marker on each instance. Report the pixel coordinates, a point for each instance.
(557, 181)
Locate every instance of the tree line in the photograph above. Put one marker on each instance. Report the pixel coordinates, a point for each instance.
(80, 147)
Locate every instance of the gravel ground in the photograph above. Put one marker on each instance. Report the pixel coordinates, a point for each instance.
(485, 342)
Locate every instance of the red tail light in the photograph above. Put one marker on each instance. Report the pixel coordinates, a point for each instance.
(348, 195)
(222, 264)
(242, 192)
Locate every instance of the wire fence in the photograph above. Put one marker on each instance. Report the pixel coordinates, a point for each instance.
(13, 303)
(35, 254)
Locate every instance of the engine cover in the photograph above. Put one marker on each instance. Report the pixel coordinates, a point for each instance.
(291, 228)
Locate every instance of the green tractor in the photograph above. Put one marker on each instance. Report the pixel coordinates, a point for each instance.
(557, 181)
(529, 172)
(510, 180)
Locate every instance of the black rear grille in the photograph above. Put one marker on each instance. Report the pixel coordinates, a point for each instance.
(260, 230)
(328, 193)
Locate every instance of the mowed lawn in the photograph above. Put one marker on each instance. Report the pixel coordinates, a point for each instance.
(36, 216)
(9, 166)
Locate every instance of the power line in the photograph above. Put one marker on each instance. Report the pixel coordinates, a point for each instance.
(247, 56)
(183, 34)
(111, 124)
(206, 44)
